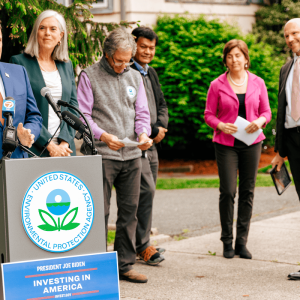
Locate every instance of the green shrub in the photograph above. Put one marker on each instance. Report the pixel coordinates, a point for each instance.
(270, 21)
(188, 57)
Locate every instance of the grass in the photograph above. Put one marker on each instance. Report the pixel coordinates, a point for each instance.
(111, 237)
(269, 167)
(180, 183)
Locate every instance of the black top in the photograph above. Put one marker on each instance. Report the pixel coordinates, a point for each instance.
(161, 105)
(242, 107)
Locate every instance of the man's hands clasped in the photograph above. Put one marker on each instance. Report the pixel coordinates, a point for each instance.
(161, 135)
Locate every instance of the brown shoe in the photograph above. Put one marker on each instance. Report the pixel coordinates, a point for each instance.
(134, 276)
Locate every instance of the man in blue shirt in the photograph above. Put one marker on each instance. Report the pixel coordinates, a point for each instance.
(147, 40)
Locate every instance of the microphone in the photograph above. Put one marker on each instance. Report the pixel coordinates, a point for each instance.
(8, 107)
(10, 139)
(46, 92)
(75, 122)
(84, 132)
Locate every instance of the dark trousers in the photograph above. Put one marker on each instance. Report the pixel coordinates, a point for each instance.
(126, 177)
(144, 213)
(292, 143)
(230, 160)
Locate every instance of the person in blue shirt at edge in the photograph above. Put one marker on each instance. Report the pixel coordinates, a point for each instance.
(14, 83)
(146, 40)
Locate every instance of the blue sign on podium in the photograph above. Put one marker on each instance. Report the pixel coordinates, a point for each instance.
(93, 276)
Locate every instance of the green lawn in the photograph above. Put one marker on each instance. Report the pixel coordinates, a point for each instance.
(111, 237)
(263, 179)
(269, 167)
(179, 183)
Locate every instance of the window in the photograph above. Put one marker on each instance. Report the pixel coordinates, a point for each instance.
(100, 7)
(216, 1)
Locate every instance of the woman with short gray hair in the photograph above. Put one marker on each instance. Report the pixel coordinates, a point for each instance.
(47, 63)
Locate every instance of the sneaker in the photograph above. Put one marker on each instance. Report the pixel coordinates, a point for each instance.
(294, 276)
(161, 250)
(151, 256)
(134, 276)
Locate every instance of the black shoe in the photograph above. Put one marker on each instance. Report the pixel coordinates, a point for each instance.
(228, 251)
(242, 251)
(294, 276)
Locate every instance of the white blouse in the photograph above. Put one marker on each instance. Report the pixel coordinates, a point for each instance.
(53, 82)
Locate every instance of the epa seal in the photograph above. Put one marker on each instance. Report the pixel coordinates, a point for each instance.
(57, 212)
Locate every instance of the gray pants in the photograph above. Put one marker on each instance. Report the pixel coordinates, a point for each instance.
(126, 177)
(144, 213)
(244, 159)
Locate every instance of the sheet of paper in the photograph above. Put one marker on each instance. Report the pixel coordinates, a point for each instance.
(242, 135)
(129, 143)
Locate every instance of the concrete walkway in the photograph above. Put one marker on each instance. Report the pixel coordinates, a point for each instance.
(190, 272)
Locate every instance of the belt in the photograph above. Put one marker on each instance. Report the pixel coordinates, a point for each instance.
(294, 129)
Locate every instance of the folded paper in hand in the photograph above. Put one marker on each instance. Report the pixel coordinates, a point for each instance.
(129, 143)
(242, 135)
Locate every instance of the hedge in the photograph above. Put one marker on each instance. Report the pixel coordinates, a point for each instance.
(188, 57)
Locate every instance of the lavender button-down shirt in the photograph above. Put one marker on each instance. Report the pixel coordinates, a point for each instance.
(86, 102)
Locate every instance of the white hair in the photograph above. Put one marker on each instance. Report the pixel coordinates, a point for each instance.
(119, 39)
(296, 20)
(60, 52)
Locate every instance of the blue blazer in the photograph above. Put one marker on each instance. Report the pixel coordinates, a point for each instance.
(17, 86)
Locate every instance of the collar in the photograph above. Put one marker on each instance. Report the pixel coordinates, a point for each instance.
(225, 86)
(106, 66)
(143, 71)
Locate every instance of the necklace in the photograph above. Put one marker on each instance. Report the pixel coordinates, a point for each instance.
(237, 83)
(46, 70)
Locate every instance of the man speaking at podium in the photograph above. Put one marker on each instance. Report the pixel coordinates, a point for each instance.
(14, 83)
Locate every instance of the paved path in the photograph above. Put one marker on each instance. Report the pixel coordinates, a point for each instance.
(189, 273)
(197, 209)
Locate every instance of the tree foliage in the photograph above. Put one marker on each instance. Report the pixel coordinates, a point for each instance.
(84, 36)
(188, 57)
(270, 21)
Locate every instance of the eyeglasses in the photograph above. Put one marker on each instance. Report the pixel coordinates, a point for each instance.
(122, 63)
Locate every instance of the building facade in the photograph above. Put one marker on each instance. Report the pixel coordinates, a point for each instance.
(236, 12)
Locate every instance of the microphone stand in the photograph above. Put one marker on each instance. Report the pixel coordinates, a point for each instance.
(27, 150)
(82, 134)
(49, 141)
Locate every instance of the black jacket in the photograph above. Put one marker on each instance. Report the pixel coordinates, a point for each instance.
(161, 105)
(282, 103)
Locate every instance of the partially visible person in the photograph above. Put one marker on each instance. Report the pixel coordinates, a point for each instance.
(146, 40)
(113, 98)
(47, 63)
(287, 139)
(236, 93)
(14, 83)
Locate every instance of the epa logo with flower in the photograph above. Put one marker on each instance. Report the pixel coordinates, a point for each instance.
(57, 212)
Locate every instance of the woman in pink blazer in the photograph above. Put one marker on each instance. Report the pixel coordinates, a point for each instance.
(236, 93)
